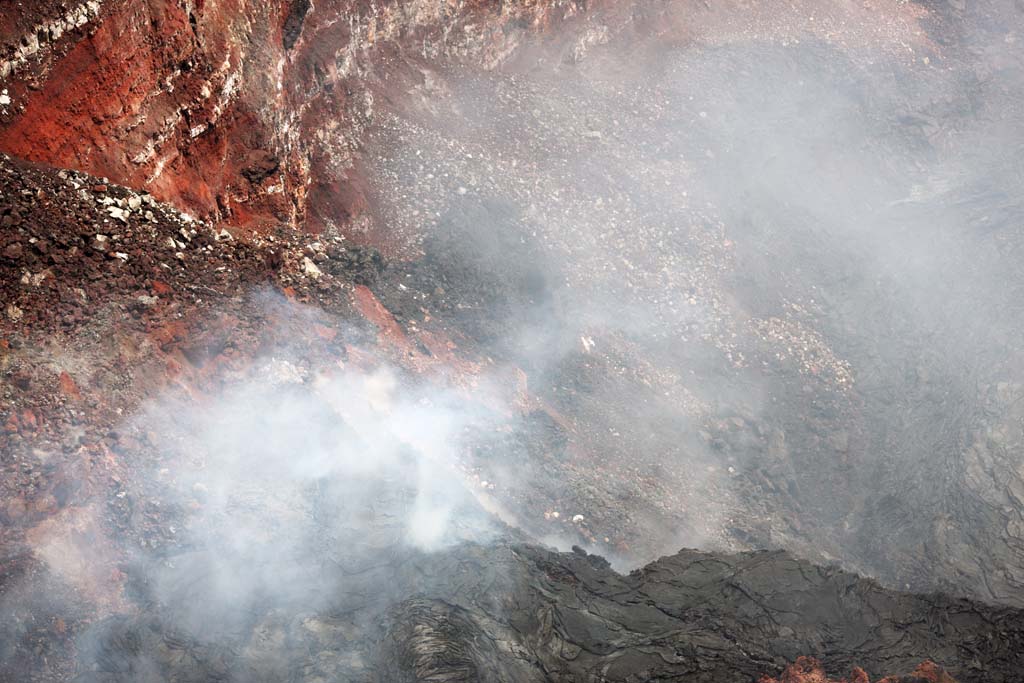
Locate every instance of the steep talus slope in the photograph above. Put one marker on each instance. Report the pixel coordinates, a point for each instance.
(116, 531)
(779, 309)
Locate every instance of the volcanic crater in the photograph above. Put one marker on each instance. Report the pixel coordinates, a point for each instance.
(524, 341)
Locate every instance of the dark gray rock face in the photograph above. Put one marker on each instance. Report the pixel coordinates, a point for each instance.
(513, 612)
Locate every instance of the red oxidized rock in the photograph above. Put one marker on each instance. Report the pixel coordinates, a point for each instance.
(927, 672)
(174, 96)
(22, 422)
(810, 670)
(161, 288)
(68, 386)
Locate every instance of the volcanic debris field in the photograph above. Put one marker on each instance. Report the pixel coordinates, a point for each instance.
(553, 341)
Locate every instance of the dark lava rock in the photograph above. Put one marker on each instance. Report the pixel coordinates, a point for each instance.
(514, 612)
(361, 265)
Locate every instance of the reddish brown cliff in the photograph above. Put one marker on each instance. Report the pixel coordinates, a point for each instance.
(253, 112)
(236, 110)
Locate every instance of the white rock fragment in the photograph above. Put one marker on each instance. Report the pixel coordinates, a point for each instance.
(280, 372)
(576, 519)
(14, 313)
(36, 279)
(5, 99)
(310, 269)
(121, 255)
(119, 213)
(134, 202)
(588, 343)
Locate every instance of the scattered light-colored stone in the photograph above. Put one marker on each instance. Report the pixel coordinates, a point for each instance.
(310, 268)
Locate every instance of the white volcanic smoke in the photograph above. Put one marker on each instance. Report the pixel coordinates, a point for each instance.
(261, 458)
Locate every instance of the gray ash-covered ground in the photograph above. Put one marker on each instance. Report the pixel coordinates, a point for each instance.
(487, 284)
(780, 302)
